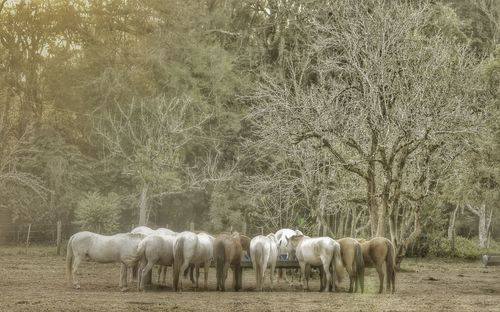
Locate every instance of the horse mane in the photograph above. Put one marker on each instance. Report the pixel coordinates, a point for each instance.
(245, 242)
(135, 235)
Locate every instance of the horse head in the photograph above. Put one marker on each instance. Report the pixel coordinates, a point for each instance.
(293, 241)
(235, 235)
(272, 237)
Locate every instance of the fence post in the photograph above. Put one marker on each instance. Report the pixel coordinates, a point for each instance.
(58, 240)
(244, 230)
(28, 238)
(191, 226)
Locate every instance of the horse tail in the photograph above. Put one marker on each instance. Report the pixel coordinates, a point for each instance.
(178, 260)
(220, 255)
(259, 262)
(390, 266)
(359, 267)
(69, 259)
(336, 265)
(141, 248)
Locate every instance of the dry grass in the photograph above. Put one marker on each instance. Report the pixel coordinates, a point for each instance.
(36, 282)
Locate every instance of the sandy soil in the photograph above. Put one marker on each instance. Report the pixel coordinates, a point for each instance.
(37, 283)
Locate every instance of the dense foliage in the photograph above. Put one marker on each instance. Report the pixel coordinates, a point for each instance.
(343, 118)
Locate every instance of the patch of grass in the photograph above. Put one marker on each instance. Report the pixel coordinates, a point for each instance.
(32, 250)
(464, 248)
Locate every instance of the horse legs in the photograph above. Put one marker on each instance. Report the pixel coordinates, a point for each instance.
(191, 273)
(326, 268)
(307, 275)
(388, 280)
(197, 268)
(183, 268)
(236, 271)
(162, 270)
(391, 276)
(123, 277)
(257, 272)
(165, 268)
(262, 276)
(271, 276)
(321, 279)
(302, 272)
(141, 265)
(205, 283)
(380, 271)
(239, 272)
(360, 279)
(135, 271)
(144, 272)
(76, 263)
(224, 276)
(352, 276)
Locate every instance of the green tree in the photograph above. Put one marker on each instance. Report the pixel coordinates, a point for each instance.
(98, 213)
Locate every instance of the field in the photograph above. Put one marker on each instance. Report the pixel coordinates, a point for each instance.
(36, 282)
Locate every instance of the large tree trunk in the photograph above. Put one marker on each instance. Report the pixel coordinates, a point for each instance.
(372, 205)
(484, 222)
(143, 205)
(402, 242)
(451, 226)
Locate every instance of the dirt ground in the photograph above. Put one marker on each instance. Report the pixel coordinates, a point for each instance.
(38, 283)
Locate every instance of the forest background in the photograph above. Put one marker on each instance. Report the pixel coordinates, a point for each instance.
(341, 118)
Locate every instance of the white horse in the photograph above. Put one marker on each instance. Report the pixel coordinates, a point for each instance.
(191, 248)
(264, 252)
(164, 231)
(154, 249)
(143, 230)
(282, 239)
(102, 249)
(318, 251)
(163, 268)
(148, 231)
(283, 251)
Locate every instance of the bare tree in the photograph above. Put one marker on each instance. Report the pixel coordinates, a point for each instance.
(149, 139)
(374, 93)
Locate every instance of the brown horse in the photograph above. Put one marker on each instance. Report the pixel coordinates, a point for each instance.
(352, 259)
(227, 252)
(245, 243)
(377, 251)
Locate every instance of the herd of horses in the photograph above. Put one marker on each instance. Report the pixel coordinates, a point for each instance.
(144, 247)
